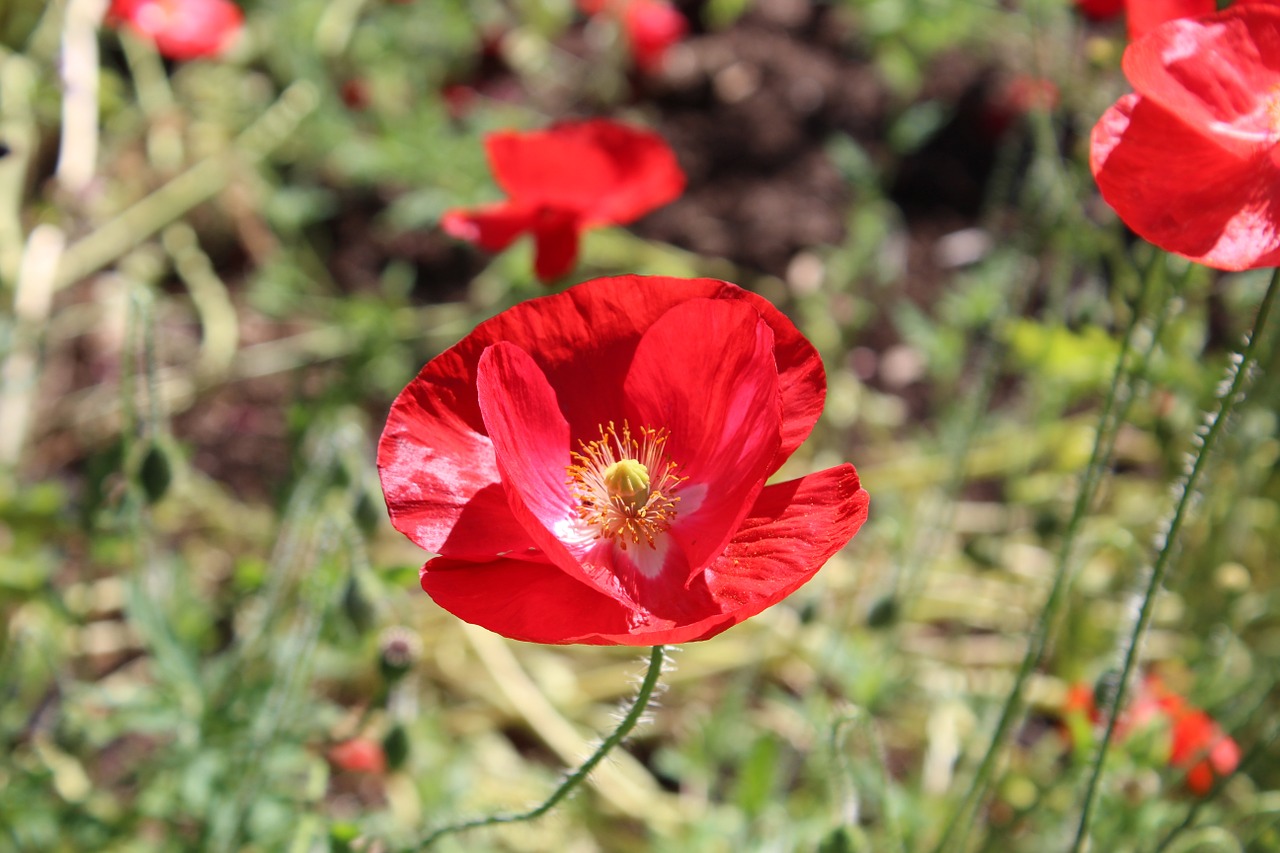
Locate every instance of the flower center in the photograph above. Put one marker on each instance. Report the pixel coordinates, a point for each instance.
(625, 485)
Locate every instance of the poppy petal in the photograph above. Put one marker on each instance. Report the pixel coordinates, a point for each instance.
(556, 245)
(531, 601)
(492, 228)
(1143, 16)
(791, 531)
(1227, 217)
(1218, 74)
(600, 170)
(442, 505)
(531, 443)
(705, 371)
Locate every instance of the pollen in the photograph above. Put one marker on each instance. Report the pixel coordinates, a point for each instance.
(625, 485)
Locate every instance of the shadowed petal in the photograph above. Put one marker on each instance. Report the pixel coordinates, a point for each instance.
(531, 601)
(531, 443)
(1227, 217)
(556, 247)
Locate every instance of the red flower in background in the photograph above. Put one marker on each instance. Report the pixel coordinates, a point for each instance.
(1196, 745)
(1190, 160)
(650, 26)
(1100, 10)
(181, 29)
(359, 755)
(590, 466)
(564, 180)
(1143, 16)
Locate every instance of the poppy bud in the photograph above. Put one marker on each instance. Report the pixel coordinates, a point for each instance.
(398, 650)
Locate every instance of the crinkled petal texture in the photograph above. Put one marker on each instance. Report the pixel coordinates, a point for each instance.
(1190, 161)
(182, 29)
(476, 450)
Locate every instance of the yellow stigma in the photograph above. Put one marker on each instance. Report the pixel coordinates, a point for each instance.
(625, 485)
(628, 480)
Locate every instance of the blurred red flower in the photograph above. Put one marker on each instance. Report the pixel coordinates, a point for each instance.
(181, 29)
(590, 466)
(1190, 160)
(359, 755)
(1100, 10)
(564, 180)
(1143, 16)
(651, 26)
(1196, 745)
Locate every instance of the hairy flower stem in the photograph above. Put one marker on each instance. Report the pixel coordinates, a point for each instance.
(576, 778)
(1114, 411)
(1231, 391)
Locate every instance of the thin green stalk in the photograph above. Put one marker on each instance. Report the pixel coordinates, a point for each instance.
(1231, 392)
(576, 778)
(962, 820)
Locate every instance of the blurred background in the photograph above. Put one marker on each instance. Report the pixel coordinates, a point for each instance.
(217, 272)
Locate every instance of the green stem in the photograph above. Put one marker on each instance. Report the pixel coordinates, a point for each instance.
(576, 778)
(1233, 384)
(962, 820)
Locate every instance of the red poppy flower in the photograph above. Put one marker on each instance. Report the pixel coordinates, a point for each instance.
(182, 29)
(650, 26)
(564, 180)
(359, 755)
(591, 466)
(1100, 10)
(1190, 161)
(1197, 745)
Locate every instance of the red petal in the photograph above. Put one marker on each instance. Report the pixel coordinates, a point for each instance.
(1225, 755)
(790, 533)
(182, 29)
(556, 250)
(651, 28)
(1227, 216)
(1145, 15)
(1100, 10)
(531, 443)
(493, 228)
(705, 371)
(439, 475)
(1218, 74)
(435, 458)
(531, 601)
(599, 170)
